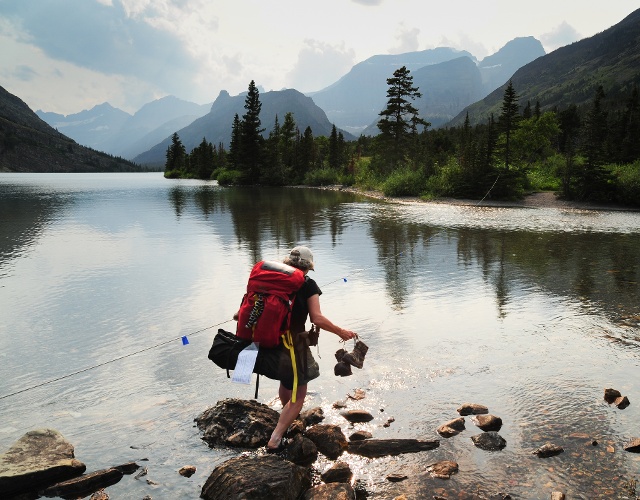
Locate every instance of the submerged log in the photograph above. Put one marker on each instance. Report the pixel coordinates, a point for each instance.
(374, 448)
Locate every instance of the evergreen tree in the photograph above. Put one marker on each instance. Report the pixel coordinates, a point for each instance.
(306, 156)
(630, 133)
(251, 140)
(289, 138)
(234, 146)
(334, 151)
(400, 118)
(176, 155)
(508, 120)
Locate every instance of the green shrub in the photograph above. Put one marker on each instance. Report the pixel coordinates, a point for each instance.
(321, 177)
(365, 176)
(445, 181)
(543, 176)
(404, 182)
(627, 179)
(229, 177)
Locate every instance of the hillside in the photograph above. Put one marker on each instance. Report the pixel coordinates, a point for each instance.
(571, 74)
(28, 144)
(215, 126)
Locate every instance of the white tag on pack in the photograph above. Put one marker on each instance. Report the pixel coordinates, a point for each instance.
(245, 364)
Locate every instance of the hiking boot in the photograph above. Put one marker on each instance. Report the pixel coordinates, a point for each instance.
(339, 354)
(356, 357)
(342, 369)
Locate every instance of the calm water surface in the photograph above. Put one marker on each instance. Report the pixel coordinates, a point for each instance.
(531, 312)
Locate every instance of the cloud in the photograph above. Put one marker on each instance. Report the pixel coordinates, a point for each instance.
(24, 73)
(407, 39)
(319, 64)
(561, 35)
(103, 38)
(368, 3)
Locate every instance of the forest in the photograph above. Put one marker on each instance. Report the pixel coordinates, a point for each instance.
(587, 154)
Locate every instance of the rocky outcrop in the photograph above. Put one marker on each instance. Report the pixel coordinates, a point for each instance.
(238, 423)
(256, 477)
(38, 459)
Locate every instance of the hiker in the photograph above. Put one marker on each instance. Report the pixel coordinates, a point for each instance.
(306, 304)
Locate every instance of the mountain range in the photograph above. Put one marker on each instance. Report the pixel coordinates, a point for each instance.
(571, 74)
(28, 144)
(453, 84)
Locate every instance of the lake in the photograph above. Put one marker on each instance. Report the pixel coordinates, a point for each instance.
(531, 312)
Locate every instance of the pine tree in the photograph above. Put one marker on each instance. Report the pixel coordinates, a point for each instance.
(251, 142)
(400, 118)
(176, 155)
(508, 120)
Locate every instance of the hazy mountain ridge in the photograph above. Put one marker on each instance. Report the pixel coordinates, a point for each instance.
(571, 74)
(215, 126)
(28, 144)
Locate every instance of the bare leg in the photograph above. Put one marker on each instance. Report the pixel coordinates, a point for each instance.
(289, 413)
(285, 395)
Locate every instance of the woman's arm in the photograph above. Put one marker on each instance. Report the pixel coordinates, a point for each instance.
(320, 320)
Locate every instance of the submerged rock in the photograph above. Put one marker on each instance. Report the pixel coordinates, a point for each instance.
(487, 422)
(548, 450)
(451, 428)
(187, 470)
(356, 416)
(443, 469)
(472, 409)
(237, 422)
(489, 441)
(331, 491)
(396, 478)
(374, 448)
(38, 459)
(256, 477)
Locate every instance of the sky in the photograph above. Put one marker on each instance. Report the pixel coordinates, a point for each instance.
(66, 56)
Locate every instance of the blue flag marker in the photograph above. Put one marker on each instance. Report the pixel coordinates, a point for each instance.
(345, 279)
(185, 340)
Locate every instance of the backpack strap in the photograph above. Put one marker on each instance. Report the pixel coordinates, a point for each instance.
(288, 343)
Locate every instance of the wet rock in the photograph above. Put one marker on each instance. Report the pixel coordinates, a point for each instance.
(360, 436)
(296, 427)
(610, 395)
(127, 468)
(360, 488)
(548, 450)
(340, 472)
(487, 422)
(374, 448)
(340, 404)
(622, 402)
(301, 451)
(237, 422)
(312, 416)
(633, 446)
(557, 495)
(396, 478)
(389, 421)
(99, 495)
(443, 469)
(472, 409)
(84, 485)
(357, 395)
(451, 428)
(331, 491)
(489, 441)
(356, 416)
(38, 459)
(329, 439)
(187, 470)
(256, 477)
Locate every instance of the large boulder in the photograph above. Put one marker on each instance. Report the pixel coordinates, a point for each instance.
(251, 477)
(38, 459)
(238, 422)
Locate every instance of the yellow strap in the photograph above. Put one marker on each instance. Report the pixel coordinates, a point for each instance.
(288, 343)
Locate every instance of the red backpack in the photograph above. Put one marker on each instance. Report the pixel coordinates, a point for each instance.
(265, 311)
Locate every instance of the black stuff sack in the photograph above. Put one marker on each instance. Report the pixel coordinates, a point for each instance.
(272, 363)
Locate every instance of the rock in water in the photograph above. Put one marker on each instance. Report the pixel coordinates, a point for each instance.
(38, 459)
(633, 446)
(236, 422)
(340, 472)
(443, 469)
(355, 416)
(472, 409)
(329, 439)
(610, 395)
(548, 450)
(331, 491)
(487, 422)
(374, 448)
(489, 441)
(256, 478)
(451, 428)
(84, 485)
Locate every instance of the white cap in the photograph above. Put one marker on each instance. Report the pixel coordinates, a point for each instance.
(301, 257)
